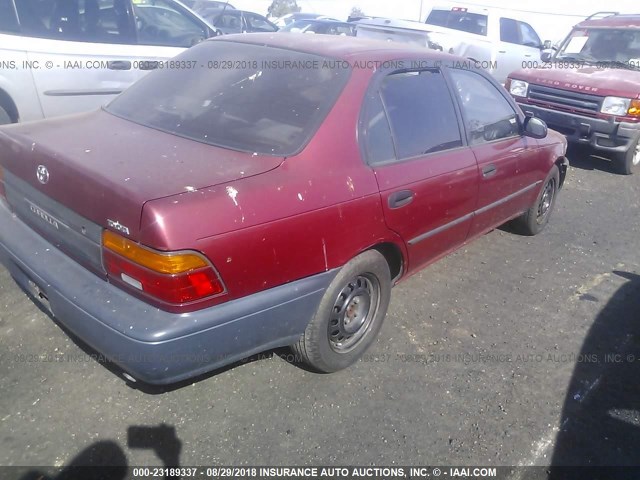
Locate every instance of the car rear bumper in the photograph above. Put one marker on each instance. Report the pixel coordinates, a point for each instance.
(152, 345)
(602, 135)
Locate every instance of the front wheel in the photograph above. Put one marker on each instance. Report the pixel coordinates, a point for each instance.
(349, 316)
(536, 218)
(626, 162)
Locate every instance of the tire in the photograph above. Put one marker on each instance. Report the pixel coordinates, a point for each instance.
(533, 221)
(349, 316)
(5, 118)
(626, 162)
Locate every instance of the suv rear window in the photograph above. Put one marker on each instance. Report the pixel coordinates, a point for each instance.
(239, 96)
(459, 20)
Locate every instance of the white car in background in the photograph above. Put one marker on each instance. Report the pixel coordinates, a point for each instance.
(65, 56)
(289, 18)
(494, 38)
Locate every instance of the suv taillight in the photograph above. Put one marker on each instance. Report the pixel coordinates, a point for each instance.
(174, 278)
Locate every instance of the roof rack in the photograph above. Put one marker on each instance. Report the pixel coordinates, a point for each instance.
(602, 15)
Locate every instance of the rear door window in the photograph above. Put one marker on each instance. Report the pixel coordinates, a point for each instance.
(509, 31)
(102, 21)
(459, 19)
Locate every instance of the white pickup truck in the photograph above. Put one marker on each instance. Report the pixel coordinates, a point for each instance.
(499, 43)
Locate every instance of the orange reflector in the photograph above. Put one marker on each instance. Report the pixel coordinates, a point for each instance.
(634, 108)
(169, 263)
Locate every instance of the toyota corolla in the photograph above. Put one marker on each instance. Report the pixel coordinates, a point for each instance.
(269, 195)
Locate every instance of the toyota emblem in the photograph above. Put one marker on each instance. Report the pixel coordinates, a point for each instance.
(43, 174)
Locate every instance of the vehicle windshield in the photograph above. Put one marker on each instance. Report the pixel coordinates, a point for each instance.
(245, 97)
(618, 47)
(459, 19)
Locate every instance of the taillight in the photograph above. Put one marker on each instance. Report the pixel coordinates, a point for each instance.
(175, 278)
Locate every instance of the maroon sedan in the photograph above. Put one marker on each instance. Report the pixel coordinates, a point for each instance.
(268, 192)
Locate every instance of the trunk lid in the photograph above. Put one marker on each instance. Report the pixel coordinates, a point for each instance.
(104, 169)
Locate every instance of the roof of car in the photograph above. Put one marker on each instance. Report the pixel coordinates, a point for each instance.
(339, 47)
(613, 21)
(465, 8)
(321, 20)
(236, 10)
(307, 22)
(302, 14)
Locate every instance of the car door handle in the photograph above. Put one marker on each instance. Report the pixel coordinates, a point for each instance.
(119, 65)
(489, 171)
(400, 199)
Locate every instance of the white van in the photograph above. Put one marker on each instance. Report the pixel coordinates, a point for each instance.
(66, 56)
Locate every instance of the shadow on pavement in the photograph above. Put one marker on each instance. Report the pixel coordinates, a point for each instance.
(161, 439)
(105, 460)
(583, 158)
(600, 423)
(102, 460)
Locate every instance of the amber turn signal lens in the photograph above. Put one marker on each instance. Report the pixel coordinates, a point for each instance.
(167, 263)
(634, 108)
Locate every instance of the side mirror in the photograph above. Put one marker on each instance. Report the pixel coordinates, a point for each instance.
(546, 56)
(534, 127)
(547, 45)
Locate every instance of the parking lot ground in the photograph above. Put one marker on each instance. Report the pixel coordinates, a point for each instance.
(512, 351)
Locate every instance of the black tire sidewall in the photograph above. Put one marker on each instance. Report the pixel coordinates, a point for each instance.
(322, 356)
(532, 225)
(624, 162)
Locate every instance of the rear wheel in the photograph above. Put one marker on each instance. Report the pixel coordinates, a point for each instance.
(626, 162)
(536, 218)
(349, 316)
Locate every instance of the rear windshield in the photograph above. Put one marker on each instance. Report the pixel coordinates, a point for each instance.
(243, 97)
(459, 20)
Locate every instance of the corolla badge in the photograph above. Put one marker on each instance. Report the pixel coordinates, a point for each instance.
(43, 174)
(118, 226)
